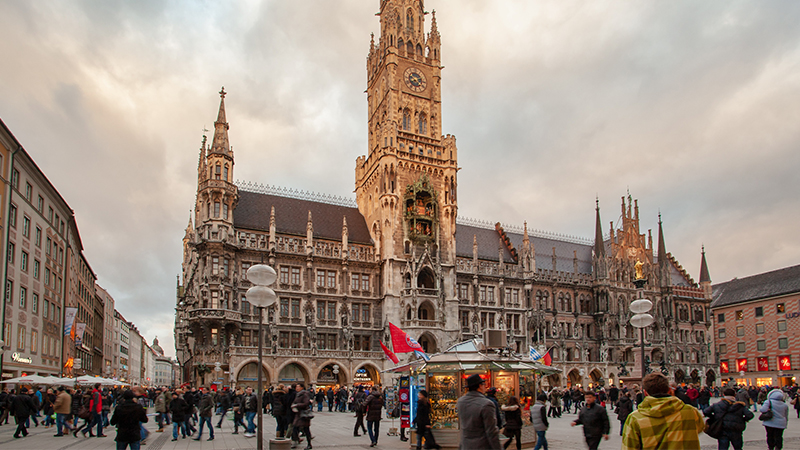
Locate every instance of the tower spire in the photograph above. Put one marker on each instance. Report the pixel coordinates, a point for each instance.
(663, 264)
(600, 269)
(220, 143)
(705, 277)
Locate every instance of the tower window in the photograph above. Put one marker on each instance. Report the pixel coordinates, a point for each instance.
(216, 209)
(218, 172)
(423, 125)
(225, 210)
(406, 120)
(226, 173)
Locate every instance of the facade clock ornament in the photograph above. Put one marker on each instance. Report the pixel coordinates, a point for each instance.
(415, 79)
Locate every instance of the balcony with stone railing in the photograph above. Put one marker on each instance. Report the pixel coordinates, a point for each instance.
(214, 314)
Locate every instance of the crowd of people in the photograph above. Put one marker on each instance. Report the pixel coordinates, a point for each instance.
(659, 415)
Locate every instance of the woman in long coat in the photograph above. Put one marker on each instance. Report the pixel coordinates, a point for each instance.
(302, 422)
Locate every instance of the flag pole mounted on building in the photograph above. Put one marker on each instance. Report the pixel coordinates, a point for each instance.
(403, 343)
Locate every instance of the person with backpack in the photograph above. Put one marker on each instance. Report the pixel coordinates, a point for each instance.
(205, 409)
(539, 421)
(360, 407)
(734, 417)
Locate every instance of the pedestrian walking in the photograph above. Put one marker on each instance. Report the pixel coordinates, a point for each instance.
(374, 404)
(513, 418)
(224, 406)
(778, 421)
(360, 408)
(161, 409)
(624, 409)
(477, 417)
(179, 409)
(330, 398)
(250, 405)
(279, 411)
(594, 419)
(62, 408)
(796, 403)
(734, 417)
(205, 409)
(128, 418)
(96, 407)
(22, 406)
(555, 404)
(302, 420)
(662, 421)
(319, 398)
(422, 421)
(539, 422)
(238, 411)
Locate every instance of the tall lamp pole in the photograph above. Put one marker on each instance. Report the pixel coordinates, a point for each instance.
(640, 308)
(260, 296)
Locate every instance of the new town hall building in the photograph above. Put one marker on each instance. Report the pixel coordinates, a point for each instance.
(399, 254)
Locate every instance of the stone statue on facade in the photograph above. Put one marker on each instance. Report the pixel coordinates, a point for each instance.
(604, 352)
(638, 268)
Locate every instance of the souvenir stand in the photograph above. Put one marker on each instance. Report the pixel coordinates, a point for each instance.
(444, 377)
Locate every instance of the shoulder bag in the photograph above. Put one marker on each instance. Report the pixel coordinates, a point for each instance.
(768, 414)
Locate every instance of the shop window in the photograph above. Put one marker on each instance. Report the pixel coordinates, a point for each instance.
(781, 308)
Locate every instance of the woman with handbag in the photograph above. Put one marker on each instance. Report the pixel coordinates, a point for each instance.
(775, 415)
(513, 428)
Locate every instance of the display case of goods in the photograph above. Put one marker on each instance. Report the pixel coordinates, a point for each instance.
(506, 384)
(443, 391)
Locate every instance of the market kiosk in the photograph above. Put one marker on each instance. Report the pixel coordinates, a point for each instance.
(444, 377)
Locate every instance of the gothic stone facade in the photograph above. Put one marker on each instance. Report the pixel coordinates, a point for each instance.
(399, 255)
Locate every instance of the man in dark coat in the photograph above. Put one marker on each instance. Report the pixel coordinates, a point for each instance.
(178, 408)
(594, 420)
(329, 397)
(624, 409)
(360, 407)
(206, 410)
(224, 405)
(128, 417)
(374, 404)
(478, 418)
(22, 406)
(491, 394)
(423, 421)
(734, 416)
(250, 406)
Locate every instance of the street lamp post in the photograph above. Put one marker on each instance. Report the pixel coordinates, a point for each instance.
(260, 296)
(640, 307)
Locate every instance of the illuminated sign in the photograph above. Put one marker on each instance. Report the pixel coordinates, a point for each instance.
(723, 367)
(763, 364)
(16, 357)
(741, 364)
(784, 363)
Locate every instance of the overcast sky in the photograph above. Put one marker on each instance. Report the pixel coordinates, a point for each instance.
(693, 106)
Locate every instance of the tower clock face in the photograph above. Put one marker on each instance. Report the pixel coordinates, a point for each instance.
(415, 80)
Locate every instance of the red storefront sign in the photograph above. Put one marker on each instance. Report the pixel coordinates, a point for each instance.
(784, 363)
(763, 364)
(723, 367)
(741, 365)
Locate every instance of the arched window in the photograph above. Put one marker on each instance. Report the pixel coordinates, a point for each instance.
(406, 120)
(218, 172)
(425, 312)
(408, 313)
(419, 50)
(423, 124)
(561, 301)
(568, 301)
(409, 20)
(539, 300)
(400, 43)
(426, 279)
(409, 48)
(546, 296)
(225, 173)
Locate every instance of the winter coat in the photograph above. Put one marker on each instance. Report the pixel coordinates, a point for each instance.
(278, 406)
(374, 404)
(302, 402)
(288, 400)
(743, 396)
(63, 404)
(704, 396)
(179, 409)
(780, 410)
(539, 417)
(225, 400)
(762, 396)
(478, 422)
(499, 417)
(161, 404)
(734, 415)
(127, 417)
(23, 405)
(423, 417)
(320, 396)
(206, 407)
(250, 403)
(624, 408)
(659, 417)
(513, 417)
(594, 419)
(555, 399)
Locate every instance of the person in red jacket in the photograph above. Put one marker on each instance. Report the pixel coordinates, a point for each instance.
(96, 407)
(693, 394)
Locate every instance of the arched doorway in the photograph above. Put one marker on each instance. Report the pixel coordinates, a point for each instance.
(425, 279)
(367, 375)
(331, 375)
(292, 373)
(695, 376)
(574, 378)
(596, 376)
(679, 376)
(711, 377)
(248, 376)
(428, 343)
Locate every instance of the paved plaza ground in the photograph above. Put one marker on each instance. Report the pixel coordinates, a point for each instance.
(335, 430)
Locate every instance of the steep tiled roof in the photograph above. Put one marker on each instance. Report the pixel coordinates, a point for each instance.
(291, 217)
(765, 285)
(488, 241)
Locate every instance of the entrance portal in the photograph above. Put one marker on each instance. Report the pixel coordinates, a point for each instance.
(248, 376)
(292, 373)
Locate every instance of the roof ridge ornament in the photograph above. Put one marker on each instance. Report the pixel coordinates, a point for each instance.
(331, 199)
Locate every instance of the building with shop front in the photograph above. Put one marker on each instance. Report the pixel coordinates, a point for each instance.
(400, 254)
(757, 328)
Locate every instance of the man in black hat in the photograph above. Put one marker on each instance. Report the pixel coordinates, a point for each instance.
(478, 417)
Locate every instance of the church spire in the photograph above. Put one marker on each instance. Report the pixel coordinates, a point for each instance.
(663, 264)
(220, 144)
(705, 277)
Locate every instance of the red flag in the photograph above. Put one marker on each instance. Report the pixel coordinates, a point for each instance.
(402, 342)
(389, 353)
(546, 359)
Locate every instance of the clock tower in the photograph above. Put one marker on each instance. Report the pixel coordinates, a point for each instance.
(406, 185)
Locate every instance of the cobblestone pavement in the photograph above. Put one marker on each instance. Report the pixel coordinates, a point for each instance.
(335, 430)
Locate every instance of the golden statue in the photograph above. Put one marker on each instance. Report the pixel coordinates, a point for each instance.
(638, 267)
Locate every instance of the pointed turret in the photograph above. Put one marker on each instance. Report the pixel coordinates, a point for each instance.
(600, 264)
(309, 235)
(272, 235)
(345, 237)
(220, 144)
(705, 277)
(663, 261)
(434, 39)
(528, 252)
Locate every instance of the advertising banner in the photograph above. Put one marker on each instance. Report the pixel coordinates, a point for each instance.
(69, 320)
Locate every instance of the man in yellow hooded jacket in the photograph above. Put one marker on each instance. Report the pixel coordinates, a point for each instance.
(662, 421)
